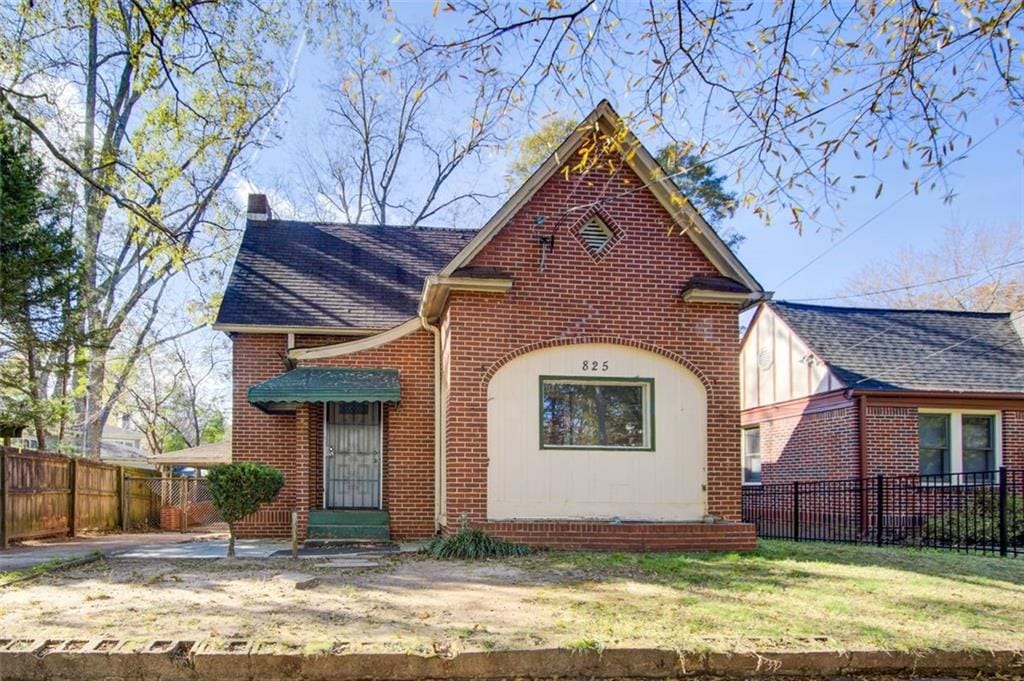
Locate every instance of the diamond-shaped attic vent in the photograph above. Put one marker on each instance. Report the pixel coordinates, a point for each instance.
(596, 234)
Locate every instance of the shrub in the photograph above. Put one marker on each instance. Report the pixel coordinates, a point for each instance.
(470, 544)
(239, 489)
(977, 522)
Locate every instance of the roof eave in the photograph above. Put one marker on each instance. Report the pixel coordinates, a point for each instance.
(437, 288)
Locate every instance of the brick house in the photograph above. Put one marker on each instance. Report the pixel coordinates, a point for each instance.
(838, 393)
(567, 375)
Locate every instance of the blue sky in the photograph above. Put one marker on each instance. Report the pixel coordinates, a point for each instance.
(989, 184)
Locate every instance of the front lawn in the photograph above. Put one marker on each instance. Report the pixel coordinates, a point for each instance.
(786, 595)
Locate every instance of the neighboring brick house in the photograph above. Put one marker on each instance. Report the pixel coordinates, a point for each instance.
(837, 392)
(565, 376)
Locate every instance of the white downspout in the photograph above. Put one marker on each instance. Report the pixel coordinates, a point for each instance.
(438, 420)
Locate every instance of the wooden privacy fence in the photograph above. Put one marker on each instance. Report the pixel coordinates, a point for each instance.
(45, 495)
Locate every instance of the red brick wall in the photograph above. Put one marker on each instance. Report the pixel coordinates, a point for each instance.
(294, 444)
(824, 445)
(632, 293)
(1013, 439)
(408, 432)
(600, 536)
(817, 446)
(892, 440)
(260, 437)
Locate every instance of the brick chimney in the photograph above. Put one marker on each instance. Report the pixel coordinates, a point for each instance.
(259, 208)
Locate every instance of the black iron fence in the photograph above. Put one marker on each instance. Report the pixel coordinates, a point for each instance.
(982, 512)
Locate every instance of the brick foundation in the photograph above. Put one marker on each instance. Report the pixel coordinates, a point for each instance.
(628, 536)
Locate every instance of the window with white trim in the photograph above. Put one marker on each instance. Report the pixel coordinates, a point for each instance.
(752, 456)
(957, 442)
(596, 414)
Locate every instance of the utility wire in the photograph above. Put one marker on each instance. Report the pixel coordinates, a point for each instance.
(887, 208)
(930, 355)
(909, 287)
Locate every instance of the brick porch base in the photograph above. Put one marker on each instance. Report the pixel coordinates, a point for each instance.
(627, 536)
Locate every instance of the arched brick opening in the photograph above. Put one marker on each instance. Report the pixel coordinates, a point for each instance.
(613, 340)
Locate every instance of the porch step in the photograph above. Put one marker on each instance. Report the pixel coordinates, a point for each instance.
(343, 517)
(374, 532)
(348, 525)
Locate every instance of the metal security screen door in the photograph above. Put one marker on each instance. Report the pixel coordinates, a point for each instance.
(352, 455)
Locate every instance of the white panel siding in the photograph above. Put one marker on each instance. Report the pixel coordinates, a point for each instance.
(527, 482)
(794, 370)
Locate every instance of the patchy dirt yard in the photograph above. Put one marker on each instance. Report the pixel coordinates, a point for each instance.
(783, 596)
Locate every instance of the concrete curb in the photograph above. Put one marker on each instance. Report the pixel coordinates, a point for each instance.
(55, 660)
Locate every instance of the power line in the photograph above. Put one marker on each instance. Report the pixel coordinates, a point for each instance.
(909, 287)
(886, 209)
(916, 362)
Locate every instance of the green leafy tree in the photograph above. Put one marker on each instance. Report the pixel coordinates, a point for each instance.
(150, 107)
(794, 93)
(695, 178)
(239, 489)
(39, 278)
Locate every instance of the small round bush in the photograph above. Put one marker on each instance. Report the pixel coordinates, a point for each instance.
(239, 489)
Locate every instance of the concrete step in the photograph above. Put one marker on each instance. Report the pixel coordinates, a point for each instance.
(373, 532)
(344, 517)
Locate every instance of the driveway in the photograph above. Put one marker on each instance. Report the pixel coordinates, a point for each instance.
(33, 552)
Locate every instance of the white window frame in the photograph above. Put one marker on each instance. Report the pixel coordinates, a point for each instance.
(956, 435)
(646, 386)
(743, 455)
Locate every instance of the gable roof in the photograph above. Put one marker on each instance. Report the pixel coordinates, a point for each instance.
(647, 168)
(332, 276)
(884, 349)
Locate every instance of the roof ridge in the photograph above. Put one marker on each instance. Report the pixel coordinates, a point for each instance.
(900, 310)
(368, 225)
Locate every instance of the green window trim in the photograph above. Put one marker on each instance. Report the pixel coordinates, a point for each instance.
(648, 394)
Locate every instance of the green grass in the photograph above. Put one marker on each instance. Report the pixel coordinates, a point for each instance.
(790, 594)
(23, 574)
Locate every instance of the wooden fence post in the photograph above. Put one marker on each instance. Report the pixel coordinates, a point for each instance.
(123, 492)
(3, 499)
(73, 506)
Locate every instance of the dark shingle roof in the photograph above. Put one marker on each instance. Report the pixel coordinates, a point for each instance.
(912, 349)
(306, 274)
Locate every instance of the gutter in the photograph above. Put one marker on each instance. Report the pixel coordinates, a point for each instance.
(436, 289)
(438, 421)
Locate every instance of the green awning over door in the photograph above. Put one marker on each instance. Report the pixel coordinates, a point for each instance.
(316, 384)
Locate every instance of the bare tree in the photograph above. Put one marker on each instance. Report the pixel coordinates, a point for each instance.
(172, 396)
(788, 92)
(151, 110)
(979, 269)
(391, 149)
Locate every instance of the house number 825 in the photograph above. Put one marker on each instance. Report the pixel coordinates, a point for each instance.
(595, 365)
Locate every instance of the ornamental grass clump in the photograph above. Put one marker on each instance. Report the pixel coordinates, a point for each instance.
(239, 489)
(473, 544)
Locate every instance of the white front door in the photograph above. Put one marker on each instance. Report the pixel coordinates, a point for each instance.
(352, 455)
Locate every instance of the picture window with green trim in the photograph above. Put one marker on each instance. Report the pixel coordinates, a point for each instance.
(604, 413)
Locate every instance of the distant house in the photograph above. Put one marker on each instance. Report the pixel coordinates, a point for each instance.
(562, 376)
(837, 392)
(120, 445)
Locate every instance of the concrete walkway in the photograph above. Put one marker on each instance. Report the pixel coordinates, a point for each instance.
(209, 548)
(38, 551)
(175, 546)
